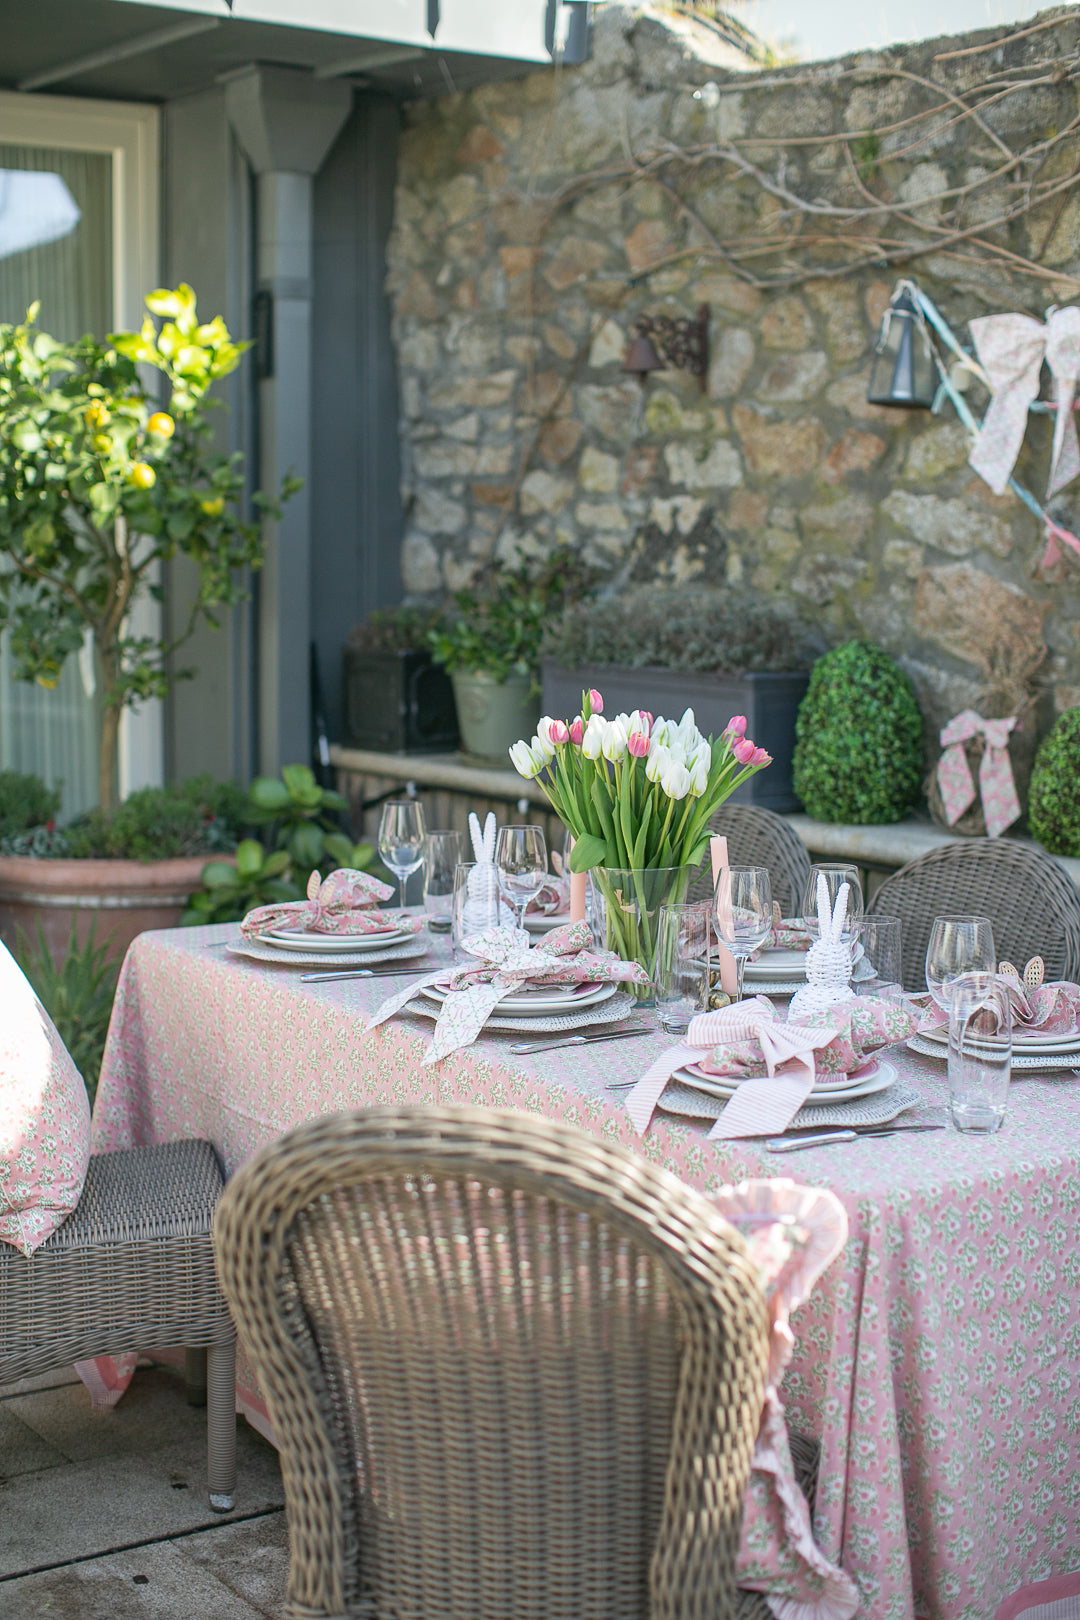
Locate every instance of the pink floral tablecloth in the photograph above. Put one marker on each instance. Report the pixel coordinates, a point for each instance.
(938, 1358)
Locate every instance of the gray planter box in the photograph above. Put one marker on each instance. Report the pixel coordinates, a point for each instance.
(769, 702)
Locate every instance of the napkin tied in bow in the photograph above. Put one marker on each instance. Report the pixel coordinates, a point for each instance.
(344, 903)
(997, 788)
(505, 961)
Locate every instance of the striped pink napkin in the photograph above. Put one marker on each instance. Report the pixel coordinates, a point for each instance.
(760, 1107)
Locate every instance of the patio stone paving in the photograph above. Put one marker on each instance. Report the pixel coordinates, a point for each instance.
(103, 1516)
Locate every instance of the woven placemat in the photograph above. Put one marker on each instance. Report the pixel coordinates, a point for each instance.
(876, 1110)
(329, 960)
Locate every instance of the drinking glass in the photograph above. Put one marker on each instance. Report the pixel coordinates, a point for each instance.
(742, 904)
(521, 862)
(442, 852)
(401, 840)
(980, 1051)
(957, 945)
(835, 874)
(877, 970)
(475, 907)
(682, 963)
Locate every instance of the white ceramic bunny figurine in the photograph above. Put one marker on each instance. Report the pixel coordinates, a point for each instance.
(828, 961)
(482, 909)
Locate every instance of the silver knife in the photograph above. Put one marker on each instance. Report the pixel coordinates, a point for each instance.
(522, 1047)
(792, 1144)
(358, 973)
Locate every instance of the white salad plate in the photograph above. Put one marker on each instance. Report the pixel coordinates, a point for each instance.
(822, 1096)
(335, 944)
(556, 999)
(1022, 1057)
(544, 923)
(1032, 1046)
(777, 965)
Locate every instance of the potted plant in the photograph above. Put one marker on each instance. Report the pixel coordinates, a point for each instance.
(859, 747)
(99, 487)
(667, 649)
(492, 648)
(397, 700)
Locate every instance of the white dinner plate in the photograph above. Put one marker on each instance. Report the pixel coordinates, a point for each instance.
(1033, 1046)
(557, 999)
(778, 964)
(337, 942)
(543, 924)
(821, 1097)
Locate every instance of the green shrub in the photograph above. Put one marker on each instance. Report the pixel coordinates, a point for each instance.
(858, 749)
(25, 802)
(77, 994)
(1054, 795)
(197, 817)
(721, 632)
(498, 626)
(397, 629)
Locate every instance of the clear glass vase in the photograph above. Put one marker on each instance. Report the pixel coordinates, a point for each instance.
(626, 913)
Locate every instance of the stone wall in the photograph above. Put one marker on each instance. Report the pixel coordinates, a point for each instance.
(533, 223)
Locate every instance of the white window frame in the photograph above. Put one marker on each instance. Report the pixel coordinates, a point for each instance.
(130, 134)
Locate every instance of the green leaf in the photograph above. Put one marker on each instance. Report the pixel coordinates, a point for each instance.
(269, 794)
(587, 853)
(300, 781)
(218, 874)
(250, 856)
(340, 847)
(276, 863)
(306, 846)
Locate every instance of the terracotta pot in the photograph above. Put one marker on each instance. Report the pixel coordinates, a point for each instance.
(125, 897)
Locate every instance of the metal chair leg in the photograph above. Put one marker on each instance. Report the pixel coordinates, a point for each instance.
(195, 1375)
(221, 1424)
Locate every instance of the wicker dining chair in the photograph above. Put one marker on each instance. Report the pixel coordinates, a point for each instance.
(1031, 901)
(515, 1372)
(759, 837)
(132, 1265)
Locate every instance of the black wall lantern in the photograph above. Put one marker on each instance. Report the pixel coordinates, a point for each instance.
(661, 342)
(903, 372)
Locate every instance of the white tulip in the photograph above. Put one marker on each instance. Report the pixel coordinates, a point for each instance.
(699, 773)
(525, 761)
(658, 761)
(676, 781)
(592, 743)
(542, 740)
(614, 744)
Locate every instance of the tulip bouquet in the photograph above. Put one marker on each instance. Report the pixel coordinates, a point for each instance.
(636, 792)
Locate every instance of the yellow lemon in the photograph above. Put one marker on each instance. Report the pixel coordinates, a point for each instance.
(162, 424)
(213, 506)
(95, 414)
(102, 443)
(142, 475)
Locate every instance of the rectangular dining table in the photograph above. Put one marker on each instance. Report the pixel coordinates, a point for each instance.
(938, 1359)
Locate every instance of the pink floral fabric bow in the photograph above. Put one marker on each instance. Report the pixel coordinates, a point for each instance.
(505, 962)
(551, 898)
(346, 903)
(997, 788)
(1011, 349)
(786, 1053)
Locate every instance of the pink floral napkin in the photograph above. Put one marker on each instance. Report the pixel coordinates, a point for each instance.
(506, 961)
(346, 903)
(552, 898)
(1037, 1009)
(777, 1061)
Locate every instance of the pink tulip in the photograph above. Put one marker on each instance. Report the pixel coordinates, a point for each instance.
(744, 751)
(560, 731)
(577, 731)
(638, 744)
(761, 757)
(736, 726)
(648, 718)
(596, 702)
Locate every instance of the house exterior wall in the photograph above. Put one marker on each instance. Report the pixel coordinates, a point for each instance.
(534, 220)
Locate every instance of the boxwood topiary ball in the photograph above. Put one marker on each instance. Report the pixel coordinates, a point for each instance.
(1054, 795)
(858, 748)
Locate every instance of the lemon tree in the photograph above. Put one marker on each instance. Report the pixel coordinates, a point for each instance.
(99, 484)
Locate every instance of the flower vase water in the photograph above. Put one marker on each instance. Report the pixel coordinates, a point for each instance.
(628, 917)
(637, 794)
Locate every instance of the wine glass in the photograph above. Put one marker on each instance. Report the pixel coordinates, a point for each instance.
(742, 902)
(835, 873)
(957, 945)
(442, 852)
(521, 864)
(401, 840)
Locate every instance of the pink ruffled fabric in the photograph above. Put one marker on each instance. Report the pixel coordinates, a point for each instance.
(346, 903)
(793, 1233)
(1051, 1009)
(551, 899)
(858, 1028)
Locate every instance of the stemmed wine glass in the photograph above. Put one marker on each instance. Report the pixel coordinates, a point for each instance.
(401, 840)
(958, 945)
(742, 902)
(521, 864)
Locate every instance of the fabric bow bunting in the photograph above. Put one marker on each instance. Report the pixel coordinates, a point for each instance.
(1011, 349)
(997, 788)
(505, 962)
(346, 903)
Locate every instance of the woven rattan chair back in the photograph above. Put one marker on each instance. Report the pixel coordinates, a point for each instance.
(758, 837)
(515, 1373)
(1031, 901)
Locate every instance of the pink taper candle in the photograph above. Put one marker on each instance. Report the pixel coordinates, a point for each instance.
(729, 973)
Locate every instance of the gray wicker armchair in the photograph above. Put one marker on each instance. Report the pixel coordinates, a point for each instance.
(132, 1265)
(515, 1373)
(758, 837)
(1031, 901)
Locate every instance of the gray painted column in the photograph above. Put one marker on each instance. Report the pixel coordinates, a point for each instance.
(286, 122)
